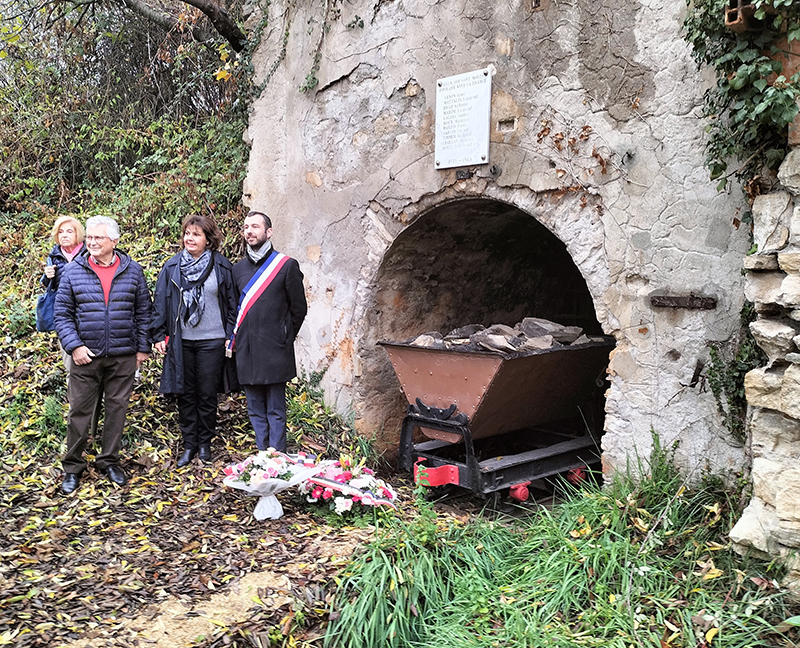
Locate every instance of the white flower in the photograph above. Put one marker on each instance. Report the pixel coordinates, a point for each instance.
(342, 504)
(363, 483)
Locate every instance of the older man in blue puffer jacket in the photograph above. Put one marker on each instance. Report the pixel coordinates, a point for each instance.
(102, 313)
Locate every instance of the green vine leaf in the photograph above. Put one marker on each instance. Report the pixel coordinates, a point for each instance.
(754, 99)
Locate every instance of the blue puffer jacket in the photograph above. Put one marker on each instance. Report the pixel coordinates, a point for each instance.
(58, 261)
(83, 318)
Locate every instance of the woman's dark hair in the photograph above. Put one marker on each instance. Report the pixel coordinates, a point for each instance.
(209, 227)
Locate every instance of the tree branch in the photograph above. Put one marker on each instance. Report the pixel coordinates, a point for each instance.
(217, 14)
(219, 17)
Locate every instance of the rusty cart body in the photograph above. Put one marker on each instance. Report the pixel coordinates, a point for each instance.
(516, 407)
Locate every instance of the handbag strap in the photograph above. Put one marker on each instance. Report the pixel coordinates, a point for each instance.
(51, 283)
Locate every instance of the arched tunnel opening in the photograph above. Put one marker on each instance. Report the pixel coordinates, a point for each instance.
(471, 261)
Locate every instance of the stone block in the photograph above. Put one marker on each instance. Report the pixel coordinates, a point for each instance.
(791, 580)
(790, 391)
(761, 262)
(794, 226)
(766, 479)
(774, 435)
(787, 500)
(787, 532)
(790, 291)
(775, 338)
(789, 173)
(763, 287)
(762, 388)
(772, 214)
(789, 261)
(752, 533)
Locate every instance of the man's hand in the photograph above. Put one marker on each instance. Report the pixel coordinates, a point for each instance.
(82, 355)
(140, 358)
(49, 271)
(161, 347)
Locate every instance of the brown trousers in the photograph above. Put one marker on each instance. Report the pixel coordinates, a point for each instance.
(111, 379)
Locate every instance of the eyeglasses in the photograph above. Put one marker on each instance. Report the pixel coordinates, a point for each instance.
(98, 239)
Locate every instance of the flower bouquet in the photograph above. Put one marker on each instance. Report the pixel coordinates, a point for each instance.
(269, 472)
(347, 485)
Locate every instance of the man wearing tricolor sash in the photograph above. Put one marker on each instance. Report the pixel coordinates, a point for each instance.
(272, 308)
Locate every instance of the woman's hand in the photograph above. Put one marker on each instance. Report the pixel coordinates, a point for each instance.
(161, 347)
(49, 271)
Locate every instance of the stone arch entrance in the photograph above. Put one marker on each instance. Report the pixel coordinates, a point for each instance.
(465, 261)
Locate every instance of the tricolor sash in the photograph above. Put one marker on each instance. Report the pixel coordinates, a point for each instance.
(258, 284)
(366, 496)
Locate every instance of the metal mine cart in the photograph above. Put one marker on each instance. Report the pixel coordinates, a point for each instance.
(495, 420)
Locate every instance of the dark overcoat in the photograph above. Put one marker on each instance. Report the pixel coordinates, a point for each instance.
(83, 318)
(168, 308)
(265, 341)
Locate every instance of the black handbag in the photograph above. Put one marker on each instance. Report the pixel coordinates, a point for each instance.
(45, 308)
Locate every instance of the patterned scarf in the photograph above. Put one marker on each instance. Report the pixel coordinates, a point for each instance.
(194, 273)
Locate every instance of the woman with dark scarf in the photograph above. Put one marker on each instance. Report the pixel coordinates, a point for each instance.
(194, 314)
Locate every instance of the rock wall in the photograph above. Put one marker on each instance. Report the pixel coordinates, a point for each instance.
(596, 150)
(771, 523)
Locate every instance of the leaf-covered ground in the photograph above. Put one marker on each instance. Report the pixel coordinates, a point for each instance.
(87, 566)
(83, 566)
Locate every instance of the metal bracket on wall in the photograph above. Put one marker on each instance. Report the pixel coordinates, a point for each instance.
(690, 301)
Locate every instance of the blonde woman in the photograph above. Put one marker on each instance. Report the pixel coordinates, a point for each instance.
(68, 235)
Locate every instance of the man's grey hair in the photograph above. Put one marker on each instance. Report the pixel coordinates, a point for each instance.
(112, 228)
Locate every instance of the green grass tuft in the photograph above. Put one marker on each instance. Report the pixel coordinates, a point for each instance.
(638, 563)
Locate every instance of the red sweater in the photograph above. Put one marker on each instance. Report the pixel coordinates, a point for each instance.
(105, 274)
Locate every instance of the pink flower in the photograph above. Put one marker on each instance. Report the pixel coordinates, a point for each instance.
(369, 471)
(317, 492)
(327, 494)
(229, 471)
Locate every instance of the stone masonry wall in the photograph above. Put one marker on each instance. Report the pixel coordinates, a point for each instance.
(595, 134)
(770, 525)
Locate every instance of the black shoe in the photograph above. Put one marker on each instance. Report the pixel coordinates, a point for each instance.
(205, 453)
(70, 483)
(186, 457)
(116, 475)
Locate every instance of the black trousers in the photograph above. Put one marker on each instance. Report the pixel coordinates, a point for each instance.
(197, 405)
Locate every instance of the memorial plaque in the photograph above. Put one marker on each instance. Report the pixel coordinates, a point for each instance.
(463, 105)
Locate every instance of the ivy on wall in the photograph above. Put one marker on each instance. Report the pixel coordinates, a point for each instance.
(754, 99)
